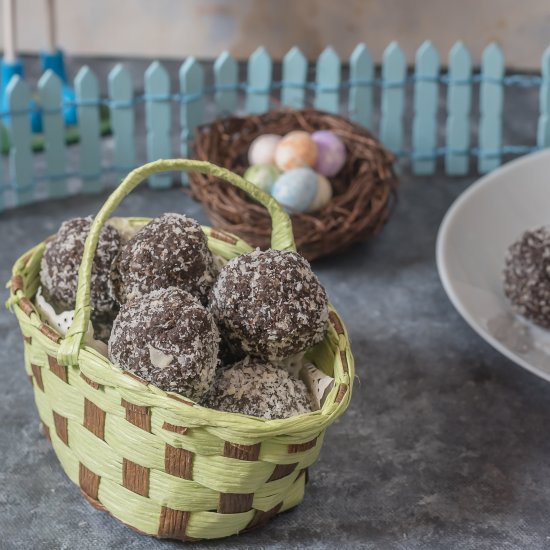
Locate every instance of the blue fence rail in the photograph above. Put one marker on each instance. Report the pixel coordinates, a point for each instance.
(30, 176)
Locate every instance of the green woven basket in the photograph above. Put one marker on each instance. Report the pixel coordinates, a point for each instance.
(158, 462)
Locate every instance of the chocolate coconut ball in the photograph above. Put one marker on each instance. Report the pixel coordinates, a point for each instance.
(169, 251)
(269, 304)
(527, 276)
(258, 389)
(168, 338)
(62, 258)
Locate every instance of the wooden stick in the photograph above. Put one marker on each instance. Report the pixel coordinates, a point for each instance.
(52, 28)
(10, 34)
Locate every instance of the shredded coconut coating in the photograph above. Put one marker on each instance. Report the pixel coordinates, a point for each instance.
(169, 251)
(168, 338)
(269, 304)
(62, 258)
(527, 275)
(258, 389)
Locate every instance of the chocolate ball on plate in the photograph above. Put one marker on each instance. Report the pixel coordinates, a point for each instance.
(168, 338)
(169, 251)
(527, 276)
(269, 304)
(258, 389)
(61, 262)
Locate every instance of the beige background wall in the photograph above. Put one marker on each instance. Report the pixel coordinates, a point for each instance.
(177, 28)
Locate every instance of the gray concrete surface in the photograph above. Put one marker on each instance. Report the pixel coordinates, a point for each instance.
(444, 446)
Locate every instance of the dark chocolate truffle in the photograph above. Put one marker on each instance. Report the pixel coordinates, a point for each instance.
(168, 338)
(62, 258)
(527, 276)
(269, 304)
(169, 251)
(258, 389)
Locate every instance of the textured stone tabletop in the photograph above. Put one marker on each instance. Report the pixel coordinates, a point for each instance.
(444, 446)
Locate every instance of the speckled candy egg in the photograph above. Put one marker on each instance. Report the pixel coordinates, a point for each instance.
(331, 152)
(269, 304)
(259, 389)
(61, 262)
(169, 339)
(296, 189)
(262, 176)
(323, 196)
(527, 275)
(296, 149)
(262, 149)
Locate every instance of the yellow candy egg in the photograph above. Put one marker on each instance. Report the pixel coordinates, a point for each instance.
(294, 150)
(323, 195)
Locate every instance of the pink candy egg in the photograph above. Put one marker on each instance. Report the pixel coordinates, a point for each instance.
(262, 149)
(294, 150)
(331, 152)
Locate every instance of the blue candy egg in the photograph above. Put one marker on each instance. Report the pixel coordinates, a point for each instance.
(296, 189)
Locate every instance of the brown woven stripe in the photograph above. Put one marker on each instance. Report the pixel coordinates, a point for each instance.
(137, 415)
(50, 333)
(135, 477)
(30, 378)
(342, 389)
(336, 322)
(301, 447)
(305, 473)
(59, 370)
(344, 359)
(61, 427)
(180, 399)
(261, 518)
(182, 430)
(37, 373)
(241, 452)
(282, 470)
(27, 339)
(221, 236)
(135, 377)
(235, 503)
(26, 305)
(94, 385)
(95, 503)
(178, 462)
(88, 481)
(94, 419)
(16, 283)
(173, 523)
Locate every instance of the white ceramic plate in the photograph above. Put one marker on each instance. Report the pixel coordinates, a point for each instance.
(472, 243)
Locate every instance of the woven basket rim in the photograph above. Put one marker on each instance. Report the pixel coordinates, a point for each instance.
(193, 413)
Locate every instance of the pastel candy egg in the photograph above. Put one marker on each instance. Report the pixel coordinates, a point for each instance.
(262, 175)
(262, 149)
(331, 152)
(296, 189)
(323, 196)
(294, 150)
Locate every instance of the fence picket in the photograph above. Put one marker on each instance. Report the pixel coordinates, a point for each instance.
(394, 71)
(491, 100)
(259, 82)
(293, 91)
(459, 101)
(543, 129)
(192, 106)
(122, 118)
(426, 92)
(87, 96)
(21, 162)
(50, 93)
(158, 120)
(361, 86)
(226, 75)
(327, 95)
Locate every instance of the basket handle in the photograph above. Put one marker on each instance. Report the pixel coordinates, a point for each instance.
(281, 237)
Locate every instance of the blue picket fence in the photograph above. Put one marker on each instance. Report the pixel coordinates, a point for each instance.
(353, 89)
